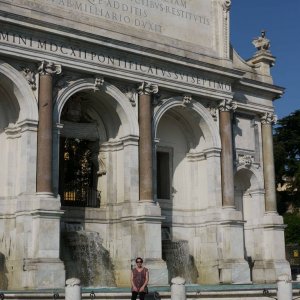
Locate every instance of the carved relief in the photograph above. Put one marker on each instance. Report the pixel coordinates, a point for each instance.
(49, 68)
(213, 111)
(226, 5)
(147, 88)
(132, 95)
(228, 105)
(245, 160)
(30, 77)
(269, 119)
(187, 99)
(102, 164)
(99, 82)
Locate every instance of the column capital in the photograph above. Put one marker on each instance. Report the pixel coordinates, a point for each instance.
(227, 105)
(49, 68)
(147, 88)
(268, 118)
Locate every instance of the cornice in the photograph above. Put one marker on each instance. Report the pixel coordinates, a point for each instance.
(274, 91)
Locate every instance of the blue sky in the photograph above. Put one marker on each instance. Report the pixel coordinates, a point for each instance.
(281, 20)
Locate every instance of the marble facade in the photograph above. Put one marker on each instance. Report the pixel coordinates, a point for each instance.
(144, 81)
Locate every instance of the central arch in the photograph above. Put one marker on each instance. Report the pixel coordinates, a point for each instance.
(187, 160)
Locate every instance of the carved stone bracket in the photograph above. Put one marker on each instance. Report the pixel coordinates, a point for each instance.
(30, 77)
(147, 88)
(227, 105)
(268, 119)
(131, 94)
(99, 82)
(245, 160)
(187, 100)
(213, 111)
(49, 68)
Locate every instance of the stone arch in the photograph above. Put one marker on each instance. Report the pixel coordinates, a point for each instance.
(18, 121)
(28, 109)
(116, 121)
(249, 191)
(207, 124)
(123, 109)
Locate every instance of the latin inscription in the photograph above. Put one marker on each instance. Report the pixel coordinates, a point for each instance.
(185, 20)
(111, 60)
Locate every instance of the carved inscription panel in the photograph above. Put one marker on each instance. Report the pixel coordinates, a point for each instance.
(187, 21)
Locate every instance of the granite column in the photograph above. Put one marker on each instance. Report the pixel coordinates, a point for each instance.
(227, 179)
(44, 135)
(146, 91)
(148, 216)
(268, 162)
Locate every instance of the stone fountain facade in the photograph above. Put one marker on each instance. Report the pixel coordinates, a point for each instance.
(173, 128)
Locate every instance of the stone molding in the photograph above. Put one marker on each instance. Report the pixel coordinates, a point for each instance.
(227, 105)
(49, 68)
(268, 119)
(147, 88)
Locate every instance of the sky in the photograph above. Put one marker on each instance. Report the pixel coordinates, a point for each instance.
(281, 20)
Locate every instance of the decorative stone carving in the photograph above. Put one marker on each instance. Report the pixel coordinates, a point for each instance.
(262, 43)
(269, 119)
(226, 5)
(99, 81)
(30, 77)
(245, 160)
(132, 95)
(102, 164)
(49, 68)
(187, 99)
(213, 111)
(147, 88)
(227, 105)
(65, 80)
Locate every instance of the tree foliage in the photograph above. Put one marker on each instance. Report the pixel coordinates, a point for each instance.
(287, 159)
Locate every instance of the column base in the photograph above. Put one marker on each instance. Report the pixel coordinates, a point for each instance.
(43, 273)
(208, 274)
(158, 272)
(269, 271)
(235, 272)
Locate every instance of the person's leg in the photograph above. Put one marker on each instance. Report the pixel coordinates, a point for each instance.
(142, 295)
(134, 295)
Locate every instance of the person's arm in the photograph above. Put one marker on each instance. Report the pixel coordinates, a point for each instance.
(146, 282)
(134, 288)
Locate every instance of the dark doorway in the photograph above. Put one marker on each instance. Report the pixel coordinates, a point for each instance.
(78, 173)
(163, 175)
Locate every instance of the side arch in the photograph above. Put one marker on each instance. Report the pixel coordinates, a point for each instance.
(124, 108)
(22, 91)
(207, 124)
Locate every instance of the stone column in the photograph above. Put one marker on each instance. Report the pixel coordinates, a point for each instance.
(267, 120)
(148, 213)
(227, 179)
(44, 136)
(146, 90)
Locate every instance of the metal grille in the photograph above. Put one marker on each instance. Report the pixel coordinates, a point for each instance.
(78, 178)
